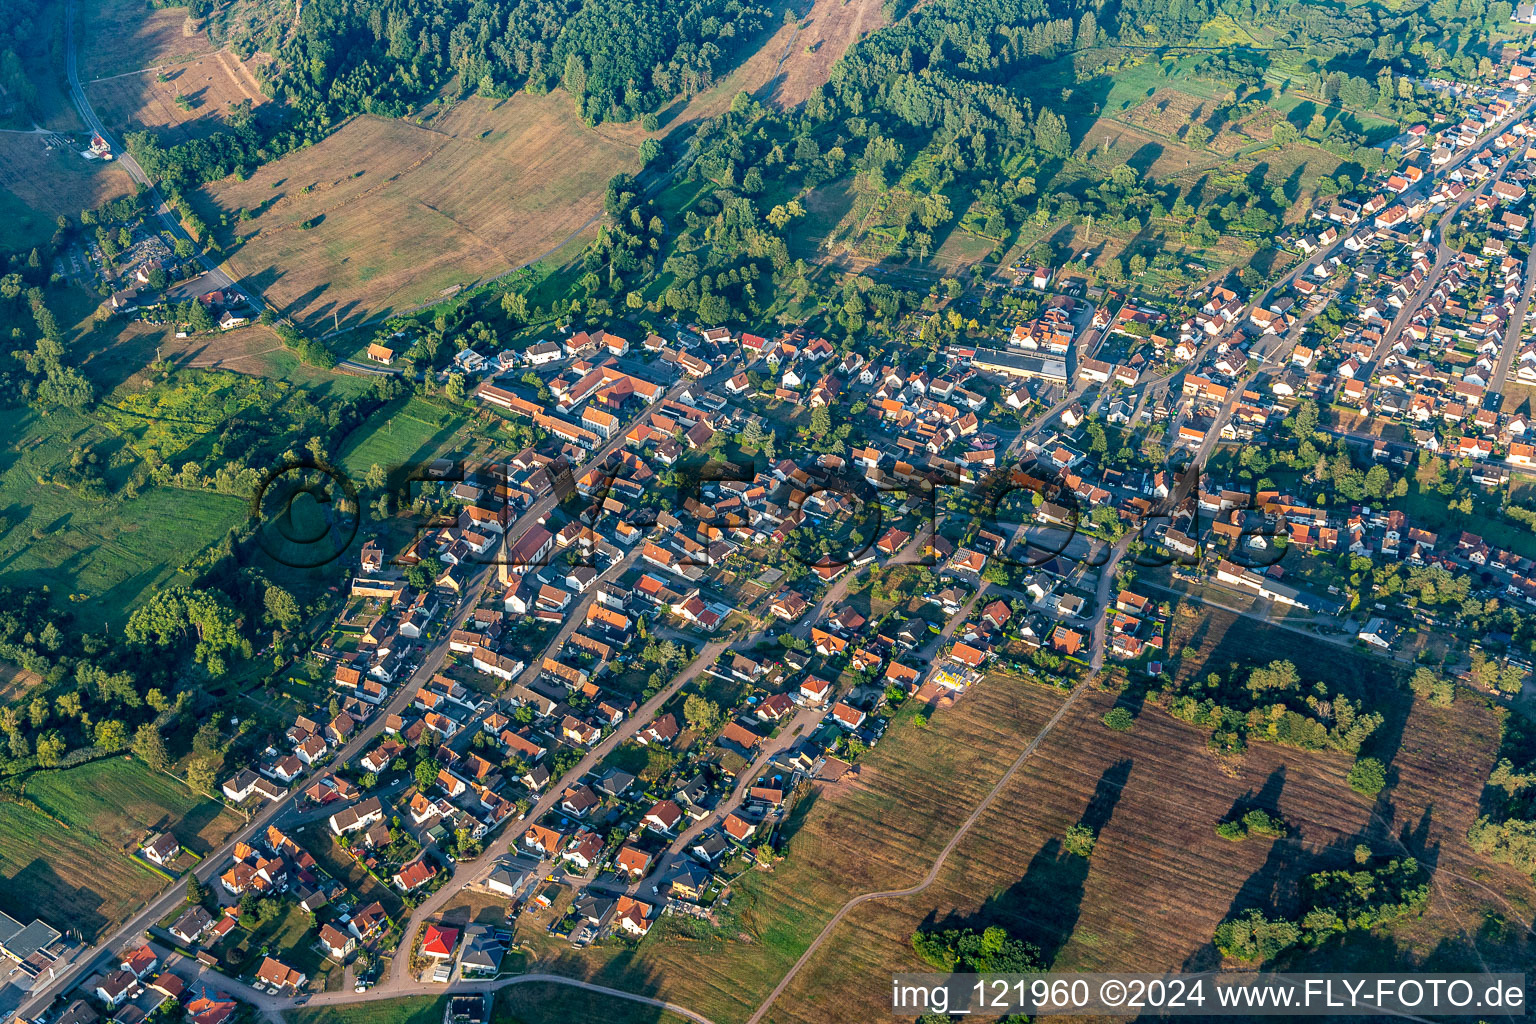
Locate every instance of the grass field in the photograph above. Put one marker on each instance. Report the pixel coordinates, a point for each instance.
(121, 802)
(210, 83)
(127, 35)
(878, 829)
(38, 184)
(105, 555)
(536, 1003)
(412, 1010)
(398, 213)
(408, 431)
(1160, 879)
(69, 858)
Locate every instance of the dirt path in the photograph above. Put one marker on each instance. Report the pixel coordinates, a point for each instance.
(938, 864)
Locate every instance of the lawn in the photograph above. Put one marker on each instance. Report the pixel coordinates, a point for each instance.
(1431, 510)
(338, 863)
(67, 851)
(408, 432)
(289, 937)
(101, 556)
(543, 1003)
(532, 1003)
(412, 1010)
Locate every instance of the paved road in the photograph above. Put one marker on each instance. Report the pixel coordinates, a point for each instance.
(273, 1005)
(218, 280)
(1444, 255)
(1516, 325)
(470, 872)
(285, 812)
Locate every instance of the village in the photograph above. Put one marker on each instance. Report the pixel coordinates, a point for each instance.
(591, 688)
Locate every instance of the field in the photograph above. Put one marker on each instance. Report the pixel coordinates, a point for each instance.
(536, 1003)
(384, 214)
(875, 829)
(412, 1010)
(1160, 879)
(38, 184)
(825, 35)
(1109, 143)
(531, 1003)
(121, 802)
(105, 554)
(127, 35)
(115, 350)
(409, 431)
(68, 858)
(210, 83)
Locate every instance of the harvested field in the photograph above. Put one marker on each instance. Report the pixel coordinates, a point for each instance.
(47, 872)
(1160, 879)
(1168, 112)
(66, 850)
(16, 683)
(210, 84)
(38, 183)
(827, 32)
(907, 799)
(128, 35)
(383, 214)
(790, 63)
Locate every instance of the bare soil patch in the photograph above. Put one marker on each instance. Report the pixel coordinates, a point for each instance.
(211, 85)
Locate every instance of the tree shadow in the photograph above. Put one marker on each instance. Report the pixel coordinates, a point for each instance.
(37, 890)
(1044, 905)
(1142, 160)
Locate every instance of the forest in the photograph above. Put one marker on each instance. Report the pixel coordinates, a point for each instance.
(20, 30)
(618, 59)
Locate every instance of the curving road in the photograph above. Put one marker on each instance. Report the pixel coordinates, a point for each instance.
(218, 279)
(273, 1005)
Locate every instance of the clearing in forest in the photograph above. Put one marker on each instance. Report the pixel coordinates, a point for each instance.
(384, 215)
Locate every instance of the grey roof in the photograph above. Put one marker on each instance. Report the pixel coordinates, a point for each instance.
(484, 949)
(615, 782)
(20, 942)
